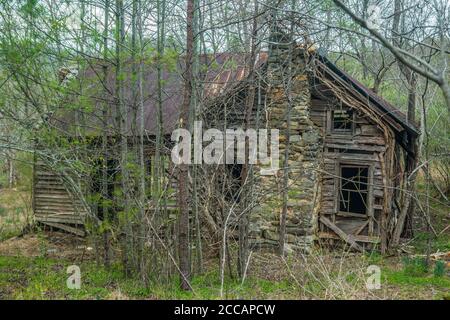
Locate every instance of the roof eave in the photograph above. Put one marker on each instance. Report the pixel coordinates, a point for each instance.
(410, 128)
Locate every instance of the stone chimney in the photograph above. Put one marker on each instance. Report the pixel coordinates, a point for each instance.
(288, 109)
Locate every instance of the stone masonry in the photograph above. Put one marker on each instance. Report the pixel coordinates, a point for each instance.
(287, 75)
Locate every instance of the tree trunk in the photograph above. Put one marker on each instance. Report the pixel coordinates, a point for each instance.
(407, 211)
(247, 169)
(183, 195)
(122, 115)
(158, 172)
(105, 154)
(142, 184)
(11, 171)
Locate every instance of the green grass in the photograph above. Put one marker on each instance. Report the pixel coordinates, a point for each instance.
(412, 277)
(403, 278)
(441, 243)
(439, 269)
(207, 286)
(414, 266)
(44, 278)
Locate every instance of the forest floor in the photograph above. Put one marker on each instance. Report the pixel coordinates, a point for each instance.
(34, 266)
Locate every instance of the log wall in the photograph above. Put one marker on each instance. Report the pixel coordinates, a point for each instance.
(52, 203)
(364, 146)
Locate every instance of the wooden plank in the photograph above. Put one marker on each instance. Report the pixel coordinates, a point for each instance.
(370, 130)
(56, 205)
(64, 197)
(355, 146)
(55, 219)
(53, 204)
(49, 187)
(346, 237)
(71, 214)
(370, 200)
(34, 182)
(67, 228)
(351, 215)
(357, 139)
(59, 212)
(350, 157)
(359, 238)
(64, 215)
(59, 209)
(363, 227)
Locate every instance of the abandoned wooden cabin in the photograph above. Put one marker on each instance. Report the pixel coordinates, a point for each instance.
(349, 150)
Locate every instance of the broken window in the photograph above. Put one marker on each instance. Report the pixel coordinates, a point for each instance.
(353, 189)
(342, 120)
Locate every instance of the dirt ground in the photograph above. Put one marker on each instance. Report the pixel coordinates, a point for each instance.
(51, 244)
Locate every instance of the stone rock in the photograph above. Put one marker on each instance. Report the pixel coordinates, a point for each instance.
(303, 161)
(271, 235)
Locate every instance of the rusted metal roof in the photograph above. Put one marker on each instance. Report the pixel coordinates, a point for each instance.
(218, 73)
(221, 73)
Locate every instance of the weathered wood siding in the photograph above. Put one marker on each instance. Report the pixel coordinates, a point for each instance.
(364, 146)
(52, 203)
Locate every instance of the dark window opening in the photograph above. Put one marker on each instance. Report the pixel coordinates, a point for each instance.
(353, 189)
(342, 120)
(234, 181)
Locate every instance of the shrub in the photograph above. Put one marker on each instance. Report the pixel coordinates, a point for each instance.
(439, 269)
(415, 266)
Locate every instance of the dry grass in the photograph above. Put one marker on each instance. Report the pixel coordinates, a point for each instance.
(343, 275)
(15, 211)
(40, 260)
(57, 245)
(319, 275)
